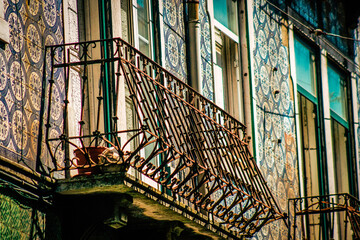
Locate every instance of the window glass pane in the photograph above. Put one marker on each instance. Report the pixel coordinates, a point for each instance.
(143, 19)
(225, 12)
(309, 145)
(143, 26)
(144, 46)
(310, 166)
(337, 93)
(125, 21)
(305, 67)
(340, 144)
(226, 85)
(339, 135)
(219, 86)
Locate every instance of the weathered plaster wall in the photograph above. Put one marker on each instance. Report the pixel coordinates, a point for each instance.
(33, 24)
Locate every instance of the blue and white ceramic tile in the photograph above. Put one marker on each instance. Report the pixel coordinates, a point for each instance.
(21, 66)
(275, 113)
(173, 12)
(207, 79)
(205, 48)
(307, 9)
(174, 34)
(175, 53)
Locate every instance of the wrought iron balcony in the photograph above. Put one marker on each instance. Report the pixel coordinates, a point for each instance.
(202, 157)
(343, 208)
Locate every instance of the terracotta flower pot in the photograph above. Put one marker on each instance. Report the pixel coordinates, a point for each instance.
(93, 153)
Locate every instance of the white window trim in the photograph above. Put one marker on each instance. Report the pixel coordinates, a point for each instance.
(143, 39)
(226, 31)
(4, 25)
(297, 115)
(356, 122)
(328, 136)
(137, 38)
(136, 31)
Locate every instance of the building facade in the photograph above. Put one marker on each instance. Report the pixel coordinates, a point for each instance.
(239, 115)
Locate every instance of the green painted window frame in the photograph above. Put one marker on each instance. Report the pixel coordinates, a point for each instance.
(317, 101)
(345, 123)
(333, 113)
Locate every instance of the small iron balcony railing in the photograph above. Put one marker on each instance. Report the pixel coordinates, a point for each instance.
(194, 149)
(328, 209)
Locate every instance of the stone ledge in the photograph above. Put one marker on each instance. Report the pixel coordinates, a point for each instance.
(87, 184)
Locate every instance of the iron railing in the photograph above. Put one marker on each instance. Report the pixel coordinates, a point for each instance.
(195, 150)
(329, 209)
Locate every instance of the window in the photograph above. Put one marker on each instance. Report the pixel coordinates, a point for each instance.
(309, 124)
(137, 29)
(338, 94)
(308, 111)
(340, 127)
(137, 24)
(144, 31)
(227, 87)
(315, 122)
(225, 13)
(225, 74)
(305, 68)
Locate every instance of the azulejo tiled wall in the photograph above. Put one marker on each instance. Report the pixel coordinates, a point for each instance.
(307, 9)
(32, 25)
(174, 38)
(175, 43)
(205, 48)
(274, 110)
(332, 18)
(18, 221)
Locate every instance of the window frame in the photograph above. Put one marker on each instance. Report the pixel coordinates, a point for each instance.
(135, 28)
(348, 125)
(228, 40)
(318, 102)
(320, 138)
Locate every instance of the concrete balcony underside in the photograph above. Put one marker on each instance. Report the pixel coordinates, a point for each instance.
(85, 200)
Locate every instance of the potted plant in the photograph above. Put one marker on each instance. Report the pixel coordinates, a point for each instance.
(88, 159)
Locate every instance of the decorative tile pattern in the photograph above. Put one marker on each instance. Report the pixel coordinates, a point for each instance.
(174, 16)
(18, 221)
(174, 35)
(307, 9)
(175, 54)
(32, 25)
(205, 48)
(334, 22)
(175, 46)
(274, 112)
